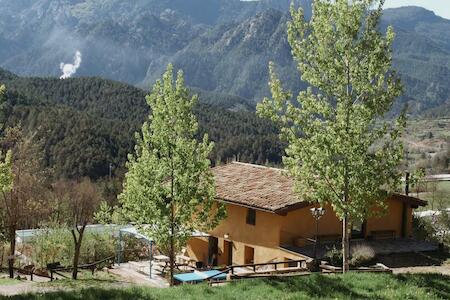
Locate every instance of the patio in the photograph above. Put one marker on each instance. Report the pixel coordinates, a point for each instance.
(381, 247)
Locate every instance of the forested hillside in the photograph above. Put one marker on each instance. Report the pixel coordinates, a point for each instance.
(223, 46)
(84, 124)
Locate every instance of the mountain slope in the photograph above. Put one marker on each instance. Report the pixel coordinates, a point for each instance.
(84, 124)
(422, 56)
(222, 45)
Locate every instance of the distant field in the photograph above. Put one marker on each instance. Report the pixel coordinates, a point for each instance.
(424, 138)
(436, 193)
(425, 141)
(316, 286)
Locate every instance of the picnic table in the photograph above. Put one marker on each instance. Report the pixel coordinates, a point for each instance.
(185, 259)
(161, 258)
(164, 261)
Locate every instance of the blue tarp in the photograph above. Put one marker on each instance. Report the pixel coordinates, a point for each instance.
(197, 276)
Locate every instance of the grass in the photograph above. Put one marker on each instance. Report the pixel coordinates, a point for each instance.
(8, 281)
(85, 280)
(316, 286)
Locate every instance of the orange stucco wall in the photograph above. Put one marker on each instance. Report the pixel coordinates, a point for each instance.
(392, 220)
(197, 248)
(272, 230)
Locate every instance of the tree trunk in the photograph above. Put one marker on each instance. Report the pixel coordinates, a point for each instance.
(12, 251)
(76, 256)
(172, 248)
(345, 245)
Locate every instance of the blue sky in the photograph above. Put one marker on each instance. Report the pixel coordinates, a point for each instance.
(440, 7)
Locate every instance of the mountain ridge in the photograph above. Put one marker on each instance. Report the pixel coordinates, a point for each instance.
(134, 41)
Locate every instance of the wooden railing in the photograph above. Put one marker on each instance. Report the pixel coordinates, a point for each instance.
(30, 271)
(90, 266)
(232, 268)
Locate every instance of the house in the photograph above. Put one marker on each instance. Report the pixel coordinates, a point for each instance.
(267, 222)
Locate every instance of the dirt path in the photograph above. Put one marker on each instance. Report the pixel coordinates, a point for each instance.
(125, 277)
(126, 272)
(444, 269)
(22, 288)
(35, 287)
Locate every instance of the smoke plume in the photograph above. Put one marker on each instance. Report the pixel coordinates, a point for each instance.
(70, 69)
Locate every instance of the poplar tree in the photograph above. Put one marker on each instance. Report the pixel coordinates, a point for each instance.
(169, 185)
(341, 151)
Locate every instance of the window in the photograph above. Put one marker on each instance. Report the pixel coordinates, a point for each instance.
(251, 216)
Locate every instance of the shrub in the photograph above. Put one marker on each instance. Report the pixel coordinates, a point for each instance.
(56, 245)
(52, 245)
(4, 253)
(361, 255)
(334, 256)
(435, 228)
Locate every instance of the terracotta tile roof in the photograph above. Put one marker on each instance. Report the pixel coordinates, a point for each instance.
(265, 188)
(254, 186)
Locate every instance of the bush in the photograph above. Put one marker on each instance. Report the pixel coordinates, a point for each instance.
(52, 245)
(361, 255)
(56, 245)
(134, 249)
(334, 256)
(4, 253)
(435, 228)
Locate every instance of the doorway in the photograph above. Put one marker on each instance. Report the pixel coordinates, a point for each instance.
(249, 255)
(228, 252)
(213, 250)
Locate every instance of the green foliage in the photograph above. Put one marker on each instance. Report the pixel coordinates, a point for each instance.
(103, 214)
(52, 245)
(169, 184)
(56, 245)
(338, 152)
(423, 229)
(6, 173)
(96, 119)
(435, 228)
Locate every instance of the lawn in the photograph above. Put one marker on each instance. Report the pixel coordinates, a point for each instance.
(316, 286)
(8, 281)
